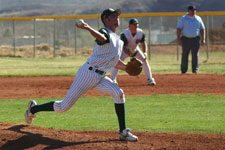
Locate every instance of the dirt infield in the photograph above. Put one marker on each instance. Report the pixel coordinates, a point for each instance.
(22, 136)
(57, 86)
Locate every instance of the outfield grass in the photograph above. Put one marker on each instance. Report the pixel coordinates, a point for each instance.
(39, 66)
(160, 63)
(156, 113)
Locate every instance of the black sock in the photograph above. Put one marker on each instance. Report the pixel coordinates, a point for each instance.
(42, 107)
(120, 112)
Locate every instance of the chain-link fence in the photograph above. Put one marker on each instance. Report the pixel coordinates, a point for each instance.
(57, 36)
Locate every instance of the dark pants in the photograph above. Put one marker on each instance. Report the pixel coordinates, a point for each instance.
(193, 45)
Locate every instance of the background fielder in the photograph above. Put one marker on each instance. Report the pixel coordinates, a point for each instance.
(106, 54)
(132, 37)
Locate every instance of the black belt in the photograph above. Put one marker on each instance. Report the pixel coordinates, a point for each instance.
(191, 37)
(97, 71)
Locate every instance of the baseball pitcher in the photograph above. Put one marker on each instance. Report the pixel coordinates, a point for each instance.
(91, 75)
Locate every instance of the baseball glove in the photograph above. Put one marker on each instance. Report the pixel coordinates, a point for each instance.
(134, 67)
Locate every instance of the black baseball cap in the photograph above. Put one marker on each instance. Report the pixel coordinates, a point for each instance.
(191, 8)
(133, 21)
(109, 11)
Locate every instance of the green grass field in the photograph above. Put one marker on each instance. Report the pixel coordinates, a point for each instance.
(160, 63)
(161, 113)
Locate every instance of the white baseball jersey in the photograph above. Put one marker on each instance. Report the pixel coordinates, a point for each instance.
(133, 41)
(90, 75)
(106, 56)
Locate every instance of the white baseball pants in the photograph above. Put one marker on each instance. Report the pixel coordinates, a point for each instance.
(88, 79)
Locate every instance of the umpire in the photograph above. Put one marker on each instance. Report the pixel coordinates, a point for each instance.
(189, 29)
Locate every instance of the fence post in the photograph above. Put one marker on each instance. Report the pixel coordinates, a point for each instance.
(207, 37)
(160, 34)
(34, 37)
(14, 38)
(75, 39)
(177, 43)
(149, 38)
(54, 37)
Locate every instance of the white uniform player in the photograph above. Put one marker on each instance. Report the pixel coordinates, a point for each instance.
(132, 37)
(91, 75)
